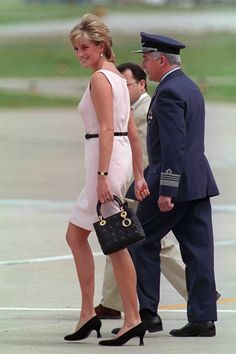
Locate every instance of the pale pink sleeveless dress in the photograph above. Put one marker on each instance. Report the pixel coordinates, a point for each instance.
(83, 213)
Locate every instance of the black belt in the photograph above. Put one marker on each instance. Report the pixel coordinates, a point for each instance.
(91, 136)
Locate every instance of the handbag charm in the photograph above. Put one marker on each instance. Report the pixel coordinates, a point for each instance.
(119, 230)
(126, 222)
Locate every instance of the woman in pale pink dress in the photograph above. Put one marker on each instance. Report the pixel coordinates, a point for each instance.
(109, 155)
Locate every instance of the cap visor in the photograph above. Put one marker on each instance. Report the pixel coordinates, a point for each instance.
(145, 50)
(138, 51)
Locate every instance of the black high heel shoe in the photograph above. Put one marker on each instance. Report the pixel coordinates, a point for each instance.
(137, 331)
(93, 324)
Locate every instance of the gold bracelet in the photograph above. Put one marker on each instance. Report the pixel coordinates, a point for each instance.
(102, 173)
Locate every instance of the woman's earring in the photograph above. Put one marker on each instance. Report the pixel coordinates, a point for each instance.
(101, 54)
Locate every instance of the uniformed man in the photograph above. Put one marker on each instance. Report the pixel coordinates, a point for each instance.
(181, 184)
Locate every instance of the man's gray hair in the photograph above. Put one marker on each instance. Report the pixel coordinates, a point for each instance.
(173, 59)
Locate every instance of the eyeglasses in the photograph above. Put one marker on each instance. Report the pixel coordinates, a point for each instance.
(131, 83)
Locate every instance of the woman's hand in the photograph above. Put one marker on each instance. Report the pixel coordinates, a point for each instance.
(141, 189)
(103, 190)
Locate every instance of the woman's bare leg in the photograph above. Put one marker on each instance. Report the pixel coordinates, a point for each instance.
(125, 274)
(77, 239)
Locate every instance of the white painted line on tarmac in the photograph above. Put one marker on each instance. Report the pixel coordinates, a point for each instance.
(65, 205)
(43, 259)
(36, 203)
(36, 260)
(224, 208)
(95, 254)
(37, 309)
(225, 243)
(48, 309)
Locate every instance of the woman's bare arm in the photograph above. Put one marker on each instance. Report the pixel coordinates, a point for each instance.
(101, 94)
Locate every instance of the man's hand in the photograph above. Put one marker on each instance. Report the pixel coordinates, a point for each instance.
(165, 203)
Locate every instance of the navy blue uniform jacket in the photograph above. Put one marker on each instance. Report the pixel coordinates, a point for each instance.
(175, 142)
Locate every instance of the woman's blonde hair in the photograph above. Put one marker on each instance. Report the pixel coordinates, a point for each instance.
(93, 29)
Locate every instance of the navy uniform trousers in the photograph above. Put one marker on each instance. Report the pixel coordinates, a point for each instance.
(192, 226)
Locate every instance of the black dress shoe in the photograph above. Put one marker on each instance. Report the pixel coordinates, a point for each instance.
(151, 321)
(115, 330)
(195, 329)
(137, 331)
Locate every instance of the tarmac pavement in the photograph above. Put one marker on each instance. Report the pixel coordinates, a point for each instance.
(132, 23)
(41, 173)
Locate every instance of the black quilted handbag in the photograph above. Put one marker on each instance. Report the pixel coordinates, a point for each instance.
(119, 230)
